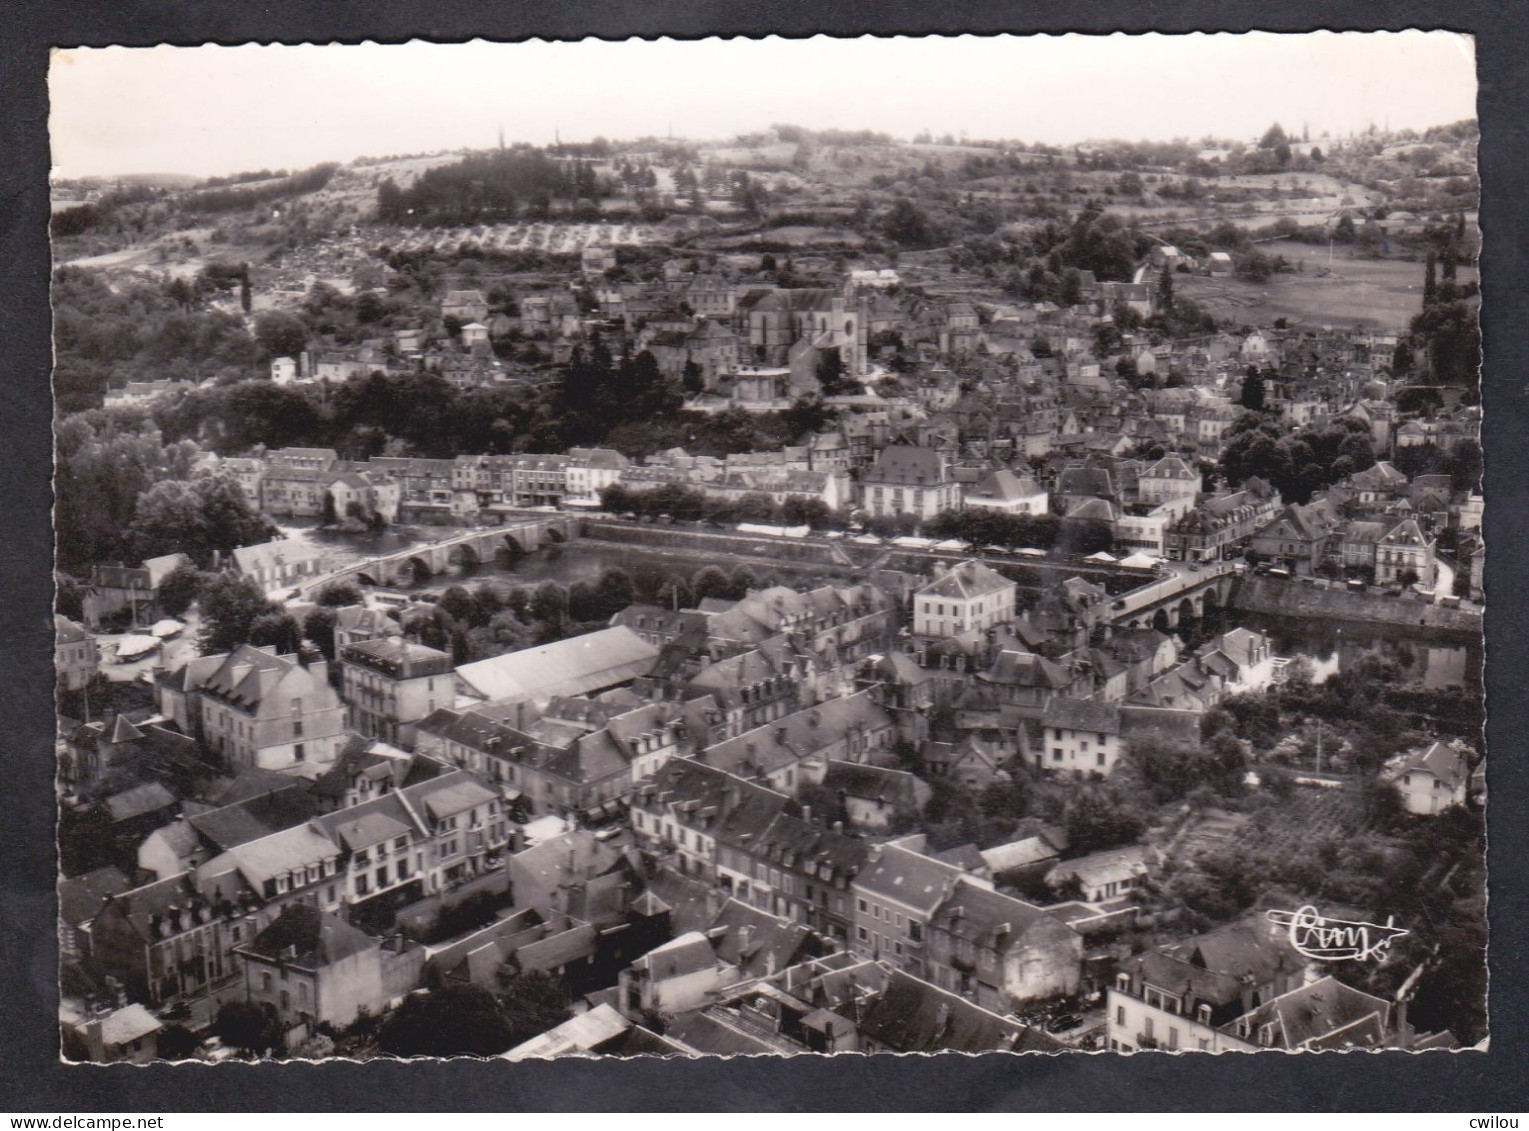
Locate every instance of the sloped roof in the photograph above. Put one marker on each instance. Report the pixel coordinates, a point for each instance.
(278, 854)
(688, 954)
(908, 466)
(1025, 669)
(755, 941)
(1004, 486)
(448, 795)
(1096, 510)
(310, 938)
(139, 905)
(1445, 763)
(130, 1023)
(1019, 854)
(1103, 867)
(1081, 714)
(578, 942)
(965, 581)
(257, 817)
(283, 551)
(81, 897)
(575, 666)
(874, 783)
(799, 735)
(584, 1032)
(1093, 481)
(138, 801)
(912, 1015)
(66, 631)
(1326, 1014)
(728, 807)
(1171, 467)
(372, 822)
(987, 918)
(908, 877)
(1406, 533)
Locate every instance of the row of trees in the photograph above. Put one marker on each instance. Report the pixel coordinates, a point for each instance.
(123, 493)
(1447, 332)
(489, 188)
(689, 504)
(105, 336)
(600, 391)
(1296, 464)
(233, 198)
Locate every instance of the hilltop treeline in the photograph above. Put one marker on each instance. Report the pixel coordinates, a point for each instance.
(488, 188)
(114, 209)
(233, 199)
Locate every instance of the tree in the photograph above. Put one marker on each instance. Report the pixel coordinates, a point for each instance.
(1165, 288)
(831, 374)
(169, 519)
(338, 594)
(1097, 819)
(276, 629)
(709, 581)
(1252, 395)
(68, 597)
(179, 589)
(532, 1003)
(457, 603)
(549, 605)
(613, 592)
(201, 517)
(230, 605)
(330, 517)
(176, 1042)
(908, 225)
(250, 1027)
(280, 334)
(1273, 136)
(318, 626)
(455, 1020)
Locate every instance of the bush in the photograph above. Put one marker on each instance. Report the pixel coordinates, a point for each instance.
(456, 1020)
(249, 1026)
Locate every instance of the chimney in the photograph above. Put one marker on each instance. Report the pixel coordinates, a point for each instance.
(745, 936)
(807, 813)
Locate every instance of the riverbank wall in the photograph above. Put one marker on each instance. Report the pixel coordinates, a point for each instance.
(1279, 597)
(848, 558)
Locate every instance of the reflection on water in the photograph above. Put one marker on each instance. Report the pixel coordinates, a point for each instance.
(574, 561)
(1431, 659)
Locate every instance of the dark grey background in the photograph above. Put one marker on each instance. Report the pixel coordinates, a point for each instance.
(32, 1080)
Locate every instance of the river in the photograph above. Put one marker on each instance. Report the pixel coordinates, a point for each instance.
(1430, 657)
(582, 560)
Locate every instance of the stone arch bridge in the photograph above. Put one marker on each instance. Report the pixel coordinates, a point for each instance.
(474, 548)
(1185, 593)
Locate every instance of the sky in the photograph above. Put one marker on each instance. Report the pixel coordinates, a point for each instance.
(213, 110)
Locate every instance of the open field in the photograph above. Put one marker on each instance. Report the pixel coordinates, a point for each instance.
(1367, 292)
(794, 235)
